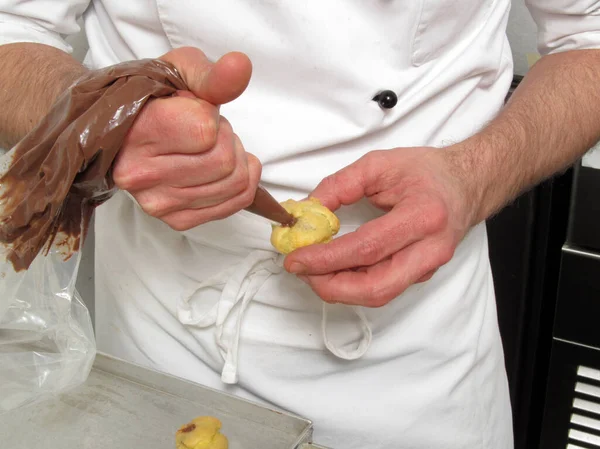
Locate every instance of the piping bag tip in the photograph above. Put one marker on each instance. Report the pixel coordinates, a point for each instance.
(268, 207)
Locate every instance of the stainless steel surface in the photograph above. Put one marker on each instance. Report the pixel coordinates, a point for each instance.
(124, 406)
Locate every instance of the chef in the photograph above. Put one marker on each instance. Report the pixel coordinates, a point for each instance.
(391, 113)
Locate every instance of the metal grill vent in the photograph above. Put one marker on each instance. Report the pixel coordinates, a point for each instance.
(584, 429)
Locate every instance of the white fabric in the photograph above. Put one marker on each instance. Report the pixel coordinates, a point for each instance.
(213, 304)
(435, 361)
(566, 24)
(240, 283)
(43, 22)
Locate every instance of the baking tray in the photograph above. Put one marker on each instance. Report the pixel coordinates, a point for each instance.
(126, 406)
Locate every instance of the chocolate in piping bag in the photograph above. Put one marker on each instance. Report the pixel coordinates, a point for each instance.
(60, 171)
(266, 206)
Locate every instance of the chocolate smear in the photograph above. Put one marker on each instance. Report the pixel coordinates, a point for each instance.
(60, 171)
(267, 207)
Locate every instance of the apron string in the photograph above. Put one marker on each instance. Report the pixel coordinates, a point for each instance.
(365, 341)
(240, 284)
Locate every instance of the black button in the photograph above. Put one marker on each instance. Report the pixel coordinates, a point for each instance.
(386, 99)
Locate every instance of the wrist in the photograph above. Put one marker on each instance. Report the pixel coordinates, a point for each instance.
(489, 171)
(65, 81)
(462, 167)
(28, 95)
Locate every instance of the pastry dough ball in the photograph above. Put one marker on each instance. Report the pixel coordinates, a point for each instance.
(201, 433)
(315, 224)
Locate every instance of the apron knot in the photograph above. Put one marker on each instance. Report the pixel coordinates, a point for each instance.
(240, 284)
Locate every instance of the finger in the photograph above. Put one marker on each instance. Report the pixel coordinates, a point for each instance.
(382, 282)
(225, 160)
(136, 172)
(369, 244)
(176, 124)
(191, 170)
(344, 187)
(190, 218)
(181, 125)
(186, 94)
(426, 277)
(163, 199)
(217, 83)
(225, 189)
(352, 183)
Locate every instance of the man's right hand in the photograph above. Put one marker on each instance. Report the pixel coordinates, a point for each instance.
(181, 160)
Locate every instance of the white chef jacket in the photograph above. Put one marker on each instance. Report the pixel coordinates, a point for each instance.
(432, 372)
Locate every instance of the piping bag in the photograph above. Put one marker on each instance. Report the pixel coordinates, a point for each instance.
(50, 183)
(60, 171)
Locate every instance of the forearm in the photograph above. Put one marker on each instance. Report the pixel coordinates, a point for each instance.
(551, 120)
(32, 77)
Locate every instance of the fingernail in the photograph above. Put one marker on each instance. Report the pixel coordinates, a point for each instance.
(297, 267)
(303, 278)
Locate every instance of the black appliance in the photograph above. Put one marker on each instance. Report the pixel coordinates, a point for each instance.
(572, 409)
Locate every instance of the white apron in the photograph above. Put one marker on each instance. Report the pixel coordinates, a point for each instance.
(213, 304)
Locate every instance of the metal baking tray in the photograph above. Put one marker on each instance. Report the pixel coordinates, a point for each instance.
(126, 406)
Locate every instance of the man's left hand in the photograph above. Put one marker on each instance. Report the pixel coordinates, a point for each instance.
(428, 211)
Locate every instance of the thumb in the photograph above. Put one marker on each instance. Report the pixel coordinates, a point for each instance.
(344, 187)
(218, 83)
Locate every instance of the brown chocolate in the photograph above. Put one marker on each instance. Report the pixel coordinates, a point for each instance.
(188, 428)
(60, 171)
(266, 206)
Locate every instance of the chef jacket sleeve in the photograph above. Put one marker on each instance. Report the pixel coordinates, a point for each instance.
(40, 21)
(566, 24)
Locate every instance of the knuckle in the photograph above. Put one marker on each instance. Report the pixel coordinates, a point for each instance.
(426, 277)
(122, 173)
(123, 180)
(205, 130)
(192, 52)
(133, 171)
(372, 157)
(326, 261)
(321, 261)
(247, 198)
(369, 252)
(126, 179)
(437, 217)
(445, 254)
(377, 302)
(240, 182)
(329, 182)
(149, 120)
(379, 297)
(210, 132)
(324, 293)
(153, 205)
(178, 225)
(161, 115)
(254, 167)
(185, 52)
(149, 206)
(227, 161)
